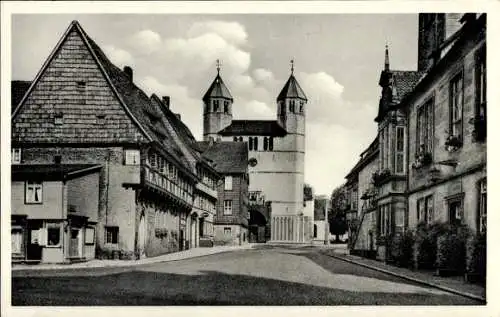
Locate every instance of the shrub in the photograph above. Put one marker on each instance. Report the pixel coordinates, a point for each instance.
(450, 253)
(476, 257)
(424, 250)
(400, 249)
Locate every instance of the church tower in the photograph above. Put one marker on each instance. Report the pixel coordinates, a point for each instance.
(217, 108)
(288, 221)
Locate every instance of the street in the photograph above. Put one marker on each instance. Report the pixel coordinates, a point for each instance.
(262, 276)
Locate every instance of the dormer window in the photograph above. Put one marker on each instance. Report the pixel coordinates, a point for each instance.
(100, 119)
(58, 118)
(81, 86)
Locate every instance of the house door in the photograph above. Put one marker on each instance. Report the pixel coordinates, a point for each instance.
(181, 240)
(33, 247)
(75, 243)
(142, 236)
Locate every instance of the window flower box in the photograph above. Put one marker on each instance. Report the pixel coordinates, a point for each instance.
(422, 159)
(453, 143)
(380, 176)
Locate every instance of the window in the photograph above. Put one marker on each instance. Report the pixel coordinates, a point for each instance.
(152, 160)
(271, 145)
(456, 104)
(100, 119)
(250, 143)
(16, 236)
(228, 207)
(425, 127)
(425, 209)
(235, 139)
(480, 107)
(315, 234)
(382, 150)
(255, 143)
(34, 193)
(227, 231)
(226, 106)
(89, 235)
(301, 110)
(58, 119)
(455, 209)
(354, 200)
(482, 206)
(399, 154)
(216, 105)
(291, 105)
(53, 235)
(132, 157)
(265, 143)
(241, 139)
(385, 220)
(16, 156)
(228, 183)
(81, 86)
(112, 235)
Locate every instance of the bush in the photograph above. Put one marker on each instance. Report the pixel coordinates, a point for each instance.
(475, 267)
(400, 249)
(450, 257)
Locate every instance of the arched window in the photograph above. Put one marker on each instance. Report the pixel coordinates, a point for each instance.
(235, 139)
(250, 144)
(255, 143)
(265, 143)
(315, 231)
(270, 146)
(241, 139)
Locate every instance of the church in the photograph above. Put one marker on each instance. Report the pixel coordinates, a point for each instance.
(276, 152)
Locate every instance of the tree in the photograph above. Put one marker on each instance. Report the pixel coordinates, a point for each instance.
(337, 213)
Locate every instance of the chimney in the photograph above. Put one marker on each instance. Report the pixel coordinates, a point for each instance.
(129, 72)
(166, 101)
(178, 115)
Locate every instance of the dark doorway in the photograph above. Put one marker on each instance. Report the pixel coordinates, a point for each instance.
(181, 240)
(257, 227)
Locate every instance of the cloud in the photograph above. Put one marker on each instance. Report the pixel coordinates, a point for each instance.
(118, 56)
(233, 32)
(145, 41)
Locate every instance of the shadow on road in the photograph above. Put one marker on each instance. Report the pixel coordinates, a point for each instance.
(209, 288)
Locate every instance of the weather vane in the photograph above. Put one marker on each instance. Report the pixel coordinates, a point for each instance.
(291, 65)
(218, 66)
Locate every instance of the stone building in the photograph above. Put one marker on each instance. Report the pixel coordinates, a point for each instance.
(81, 110)
(431, 135)
(276, 153)
(231, 218)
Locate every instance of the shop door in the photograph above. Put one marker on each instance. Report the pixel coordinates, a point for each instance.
(74, 243)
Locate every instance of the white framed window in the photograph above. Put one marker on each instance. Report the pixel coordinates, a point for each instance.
(132, 157)
(16, 156)
(228, 207)
(53, 235)
(227, 231)
(16, 235)
(34, 192)
(228, 183)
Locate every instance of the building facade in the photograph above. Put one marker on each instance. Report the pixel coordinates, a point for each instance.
(276, 154)
(82, 110)
(431, 149)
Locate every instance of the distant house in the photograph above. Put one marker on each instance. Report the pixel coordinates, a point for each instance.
(231, 161)
(84, 121)
(321, 230)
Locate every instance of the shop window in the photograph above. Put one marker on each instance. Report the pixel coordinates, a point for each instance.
(16, 156)
(16, 240)
(112, 235)
(53, 235)
(132, 157)
(34, 193)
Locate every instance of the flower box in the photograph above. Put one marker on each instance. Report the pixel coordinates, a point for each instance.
(453, 143)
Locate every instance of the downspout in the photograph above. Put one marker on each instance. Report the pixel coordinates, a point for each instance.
(107, 188)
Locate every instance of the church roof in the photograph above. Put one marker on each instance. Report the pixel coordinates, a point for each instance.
(291, 89)
(217, 90)
(227, 157)
(253, 127)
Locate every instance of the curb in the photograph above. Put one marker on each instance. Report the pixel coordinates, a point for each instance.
(443, 288)
(122, 263)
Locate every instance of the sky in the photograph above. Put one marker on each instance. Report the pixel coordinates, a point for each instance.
(337, 57)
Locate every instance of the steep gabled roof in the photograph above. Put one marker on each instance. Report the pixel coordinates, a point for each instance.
(254, 127)
(218, 90)
(291, 89)
(18, 89)
(228, 157)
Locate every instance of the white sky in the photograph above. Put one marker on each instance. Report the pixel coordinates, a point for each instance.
(338, 59)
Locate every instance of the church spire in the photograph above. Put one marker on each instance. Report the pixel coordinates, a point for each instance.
(292, 88)
(218, 89)
(386, 63)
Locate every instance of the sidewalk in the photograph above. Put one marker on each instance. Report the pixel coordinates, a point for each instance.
(454, 284)
(176, 256)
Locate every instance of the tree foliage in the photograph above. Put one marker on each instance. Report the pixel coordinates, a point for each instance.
(337, 212)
